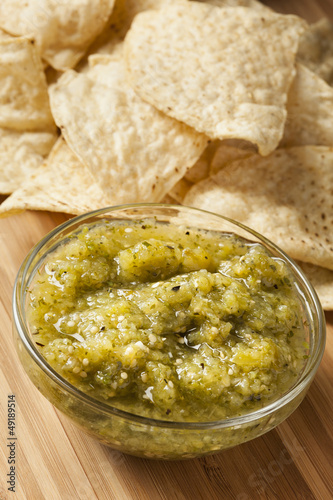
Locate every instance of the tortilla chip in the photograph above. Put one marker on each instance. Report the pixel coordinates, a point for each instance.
(287, 197)
(225, 72)
(227, 152)
(21, 153)
(61, 184)
(316, 49)
(4, 35)
(252, 4)
(322, 281)
(24, 100)
(134, 7)
(110, 41)
(168, 200)
(137, 153)
(201, 169)
(52, 75)
(216, 156)
(180, 190)
(310, 111)
(27, 129)
(63, 30)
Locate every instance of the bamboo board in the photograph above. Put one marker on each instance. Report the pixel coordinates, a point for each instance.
(56, 461)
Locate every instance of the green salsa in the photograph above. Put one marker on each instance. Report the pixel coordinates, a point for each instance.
(169, 322)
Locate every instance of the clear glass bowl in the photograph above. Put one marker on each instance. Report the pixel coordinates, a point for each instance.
(139, 435)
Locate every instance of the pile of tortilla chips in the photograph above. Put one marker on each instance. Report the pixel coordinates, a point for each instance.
(223, 105)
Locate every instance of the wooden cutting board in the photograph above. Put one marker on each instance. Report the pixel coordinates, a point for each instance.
(56, 461)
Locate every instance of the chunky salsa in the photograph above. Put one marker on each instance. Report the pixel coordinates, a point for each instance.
(168, 322)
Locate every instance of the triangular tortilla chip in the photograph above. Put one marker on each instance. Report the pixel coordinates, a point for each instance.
(24, 100)
(215, 157)
(322, 280)
(21, 153)
(227, 152)
(286, 196)
(201, 169)
(27, 128)
(63, 30)
(136, 152)
(3, 35)
(310, 111)
(168, 200)
(316, 49)
(61, 184)
(252, 4)
(179, 191)
(224, 71)
(110, 41)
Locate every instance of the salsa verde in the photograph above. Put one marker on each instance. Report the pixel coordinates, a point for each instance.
(169, 322)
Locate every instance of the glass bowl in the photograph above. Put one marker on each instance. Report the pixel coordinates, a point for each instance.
(139, 435)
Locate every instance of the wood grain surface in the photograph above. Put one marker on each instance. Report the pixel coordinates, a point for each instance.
(56, 461)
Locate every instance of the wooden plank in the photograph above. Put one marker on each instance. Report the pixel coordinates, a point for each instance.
(55, 460)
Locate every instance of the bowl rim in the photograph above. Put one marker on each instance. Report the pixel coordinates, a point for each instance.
(20, 324)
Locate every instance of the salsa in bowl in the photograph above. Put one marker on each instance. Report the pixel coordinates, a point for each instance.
(166, 331)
